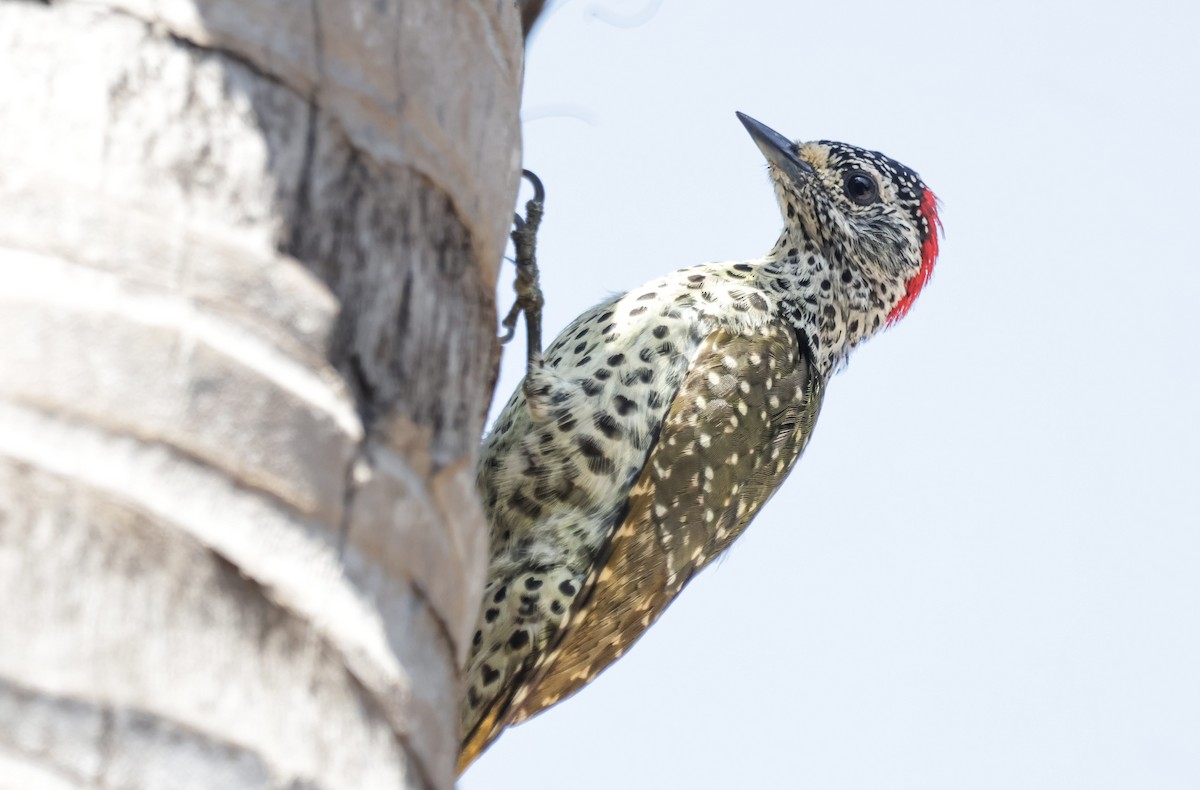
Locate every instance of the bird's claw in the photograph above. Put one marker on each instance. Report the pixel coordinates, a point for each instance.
(529, 293)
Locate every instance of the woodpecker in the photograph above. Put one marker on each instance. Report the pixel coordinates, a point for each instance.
(658, 423)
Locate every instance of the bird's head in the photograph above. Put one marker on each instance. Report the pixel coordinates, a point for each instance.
(872, 219)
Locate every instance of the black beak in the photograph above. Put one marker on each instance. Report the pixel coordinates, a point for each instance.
(778, 150)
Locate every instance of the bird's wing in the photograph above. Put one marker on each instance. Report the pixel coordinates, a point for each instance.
(740, 420)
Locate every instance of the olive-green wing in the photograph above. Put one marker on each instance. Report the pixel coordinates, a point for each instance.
(741, 418)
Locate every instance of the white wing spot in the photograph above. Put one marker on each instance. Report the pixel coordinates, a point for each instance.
(705, 440)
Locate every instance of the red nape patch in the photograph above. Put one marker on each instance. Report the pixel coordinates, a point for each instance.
(929, 253)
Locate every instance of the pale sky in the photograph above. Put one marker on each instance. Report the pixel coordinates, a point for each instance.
(985, 570)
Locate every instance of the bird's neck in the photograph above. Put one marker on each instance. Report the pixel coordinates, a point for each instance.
(830, 298)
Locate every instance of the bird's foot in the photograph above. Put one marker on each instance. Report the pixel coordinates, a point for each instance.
(529, 292)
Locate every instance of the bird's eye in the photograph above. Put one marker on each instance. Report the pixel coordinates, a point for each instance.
(862, 188)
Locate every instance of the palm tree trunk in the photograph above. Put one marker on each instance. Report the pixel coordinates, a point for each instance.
(248, 252)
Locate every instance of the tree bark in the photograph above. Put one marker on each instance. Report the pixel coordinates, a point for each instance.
(248, 252)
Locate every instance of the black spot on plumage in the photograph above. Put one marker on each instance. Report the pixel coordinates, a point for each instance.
(589, 448)
(533, 582)
(646, 354)
(556, 607)
(847, 275)
(580, 347)
(566, 425)
(661, 331)
(499, 596)
(606, 424)
(624, 405)
(758, 302)
(518, 639)
(616, 359)
(590, 387)
(647, 296)
(477, 639)
(490, 615)
(646, 375)
(637, 311)
(543, 491)
(490, 674)
(602, 374)
(567, 588)
(586, 360)
(608, 330)
(601, 465)
(696, 278)
(525, 505)
(743, 267)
